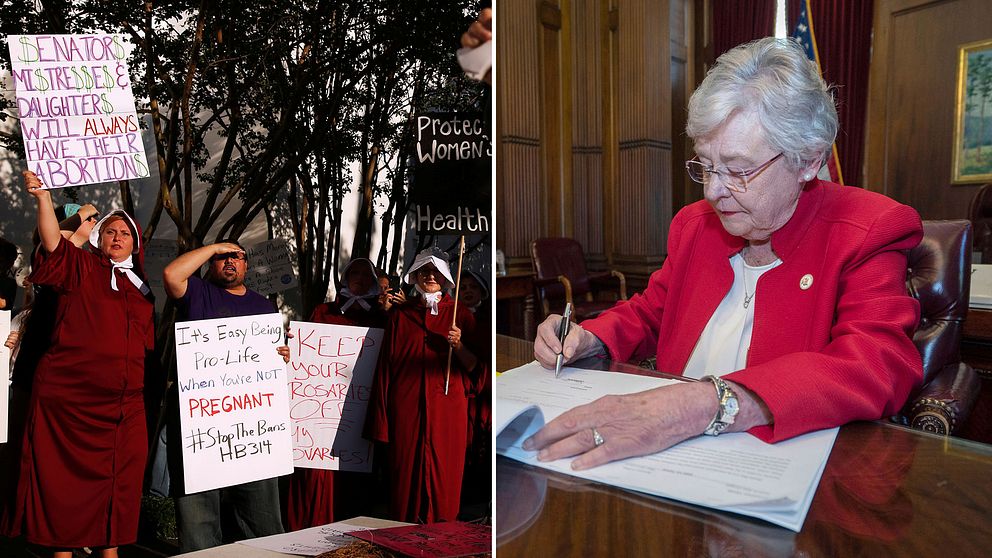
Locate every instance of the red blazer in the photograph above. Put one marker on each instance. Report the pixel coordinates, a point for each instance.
(837, 351)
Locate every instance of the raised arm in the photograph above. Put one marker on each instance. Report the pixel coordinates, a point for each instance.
(88, 216)
(177, 273)
(48, 224)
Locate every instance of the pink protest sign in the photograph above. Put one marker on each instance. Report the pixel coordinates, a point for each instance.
(330, 381)
(437, 540)
(76, 107)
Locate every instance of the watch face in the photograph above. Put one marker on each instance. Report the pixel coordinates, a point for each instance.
(731, 406)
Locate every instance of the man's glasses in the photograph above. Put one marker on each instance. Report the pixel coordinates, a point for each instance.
(228, 255)
(95, 217)
(734, 178)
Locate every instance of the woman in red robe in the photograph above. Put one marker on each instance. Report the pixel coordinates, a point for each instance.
(85, 436)
(312, 499)
(424, 429)
(477, 484)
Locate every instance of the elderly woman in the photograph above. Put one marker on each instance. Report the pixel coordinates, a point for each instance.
(424, 429)
(784, 292)
(85, 441)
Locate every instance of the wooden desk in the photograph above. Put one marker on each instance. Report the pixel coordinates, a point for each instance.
(886, 491)
(515, 305)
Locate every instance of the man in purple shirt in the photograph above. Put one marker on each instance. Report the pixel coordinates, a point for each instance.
(210, 518)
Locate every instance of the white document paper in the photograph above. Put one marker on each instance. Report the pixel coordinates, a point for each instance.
(309, 542)
(475, 62)
(233, 401)
(732, 472)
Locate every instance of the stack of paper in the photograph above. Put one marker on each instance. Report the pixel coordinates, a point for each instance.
(733, 472)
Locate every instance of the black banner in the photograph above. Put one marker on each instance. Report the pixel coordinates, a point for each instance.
(451, 191)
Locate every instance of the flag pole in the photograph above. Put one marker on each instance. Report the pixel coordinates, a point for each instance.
(454, 314)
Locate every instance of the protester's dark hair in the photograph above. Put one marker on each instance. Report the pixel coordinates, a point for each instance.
(8, 254)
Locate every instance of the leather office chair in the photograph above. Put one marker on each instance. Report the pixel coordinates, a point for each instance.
(561, 276)
(939, 276)
(980, 213)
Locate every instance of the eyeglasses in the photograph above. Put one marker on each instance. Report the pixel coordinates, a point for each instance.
(228, 255)
(734, 178)
(94, 217)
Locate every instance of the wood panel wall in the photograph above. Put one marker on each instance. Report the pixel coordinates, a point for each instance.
(911, 101)
(587, 92)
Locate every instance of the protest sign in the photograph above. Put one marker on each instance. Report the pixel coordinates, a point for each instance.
(76, 107)
(451, 192)
(330, 381)
(4, 372)
(233, 402)
(270, 269)
(159, 252)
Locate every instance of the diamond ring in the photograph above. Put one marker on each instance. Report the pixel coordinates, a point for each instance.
(597, 438)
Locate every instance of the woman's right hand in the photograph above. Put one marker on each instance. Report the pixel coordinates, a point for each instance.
(34, 186)
(580, 343)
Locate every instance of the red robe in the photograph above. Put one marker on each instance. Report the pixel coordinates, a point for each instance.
(477, 484)
(311, 500)
(424, 429)
(85, 439)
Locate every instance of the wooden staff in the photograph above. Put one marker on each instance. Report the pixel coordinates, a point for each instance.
(458, 281)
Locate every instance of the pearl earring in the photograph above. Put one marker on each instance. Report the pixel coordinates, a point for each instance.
(808, 177)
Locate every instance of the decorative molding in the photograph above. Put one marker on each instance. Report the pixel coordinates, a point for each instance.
(520, 140)
(646, 142)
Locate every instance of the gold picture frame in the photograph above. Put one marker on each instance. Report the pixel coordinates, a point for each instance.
(973, 114)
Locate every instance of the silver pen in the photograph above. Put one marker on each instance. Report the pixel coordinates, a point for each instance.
(566, 321)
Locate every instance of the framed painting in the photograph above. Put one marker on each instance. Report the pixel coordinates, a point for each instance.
(973, 114)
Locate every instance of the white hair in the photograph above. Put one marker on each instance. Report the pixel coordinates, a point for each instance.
(774, 78)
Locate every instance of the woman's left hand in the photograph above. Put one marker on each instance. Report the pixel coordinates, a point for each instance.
(34, 186)
(628, 425)
(455, 336)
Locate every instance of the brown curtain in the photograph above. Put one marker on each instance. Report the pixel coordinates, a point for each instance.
(739, 21)
(843, 41)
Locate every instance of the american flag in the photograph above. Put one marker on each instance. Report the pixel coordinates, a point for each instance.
(804, 35)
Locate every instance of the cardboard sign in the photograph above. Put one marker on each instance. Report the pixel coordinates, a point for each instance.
(451, 192)
(76, 107)
(233, 403)
(439, 540)
(4, 372)
(330, 381)
(270, 268)
(159, 252)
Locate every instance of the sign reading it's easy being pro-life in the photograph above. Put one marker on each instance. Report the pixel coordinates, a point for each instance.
(233, 401)
(76, 107)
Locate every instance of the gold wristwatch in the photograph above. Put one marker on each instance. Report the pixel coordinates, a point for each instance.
(729, 407)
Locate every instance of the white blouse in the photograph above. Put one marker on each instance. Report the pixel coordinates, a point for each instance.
(723, 346)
